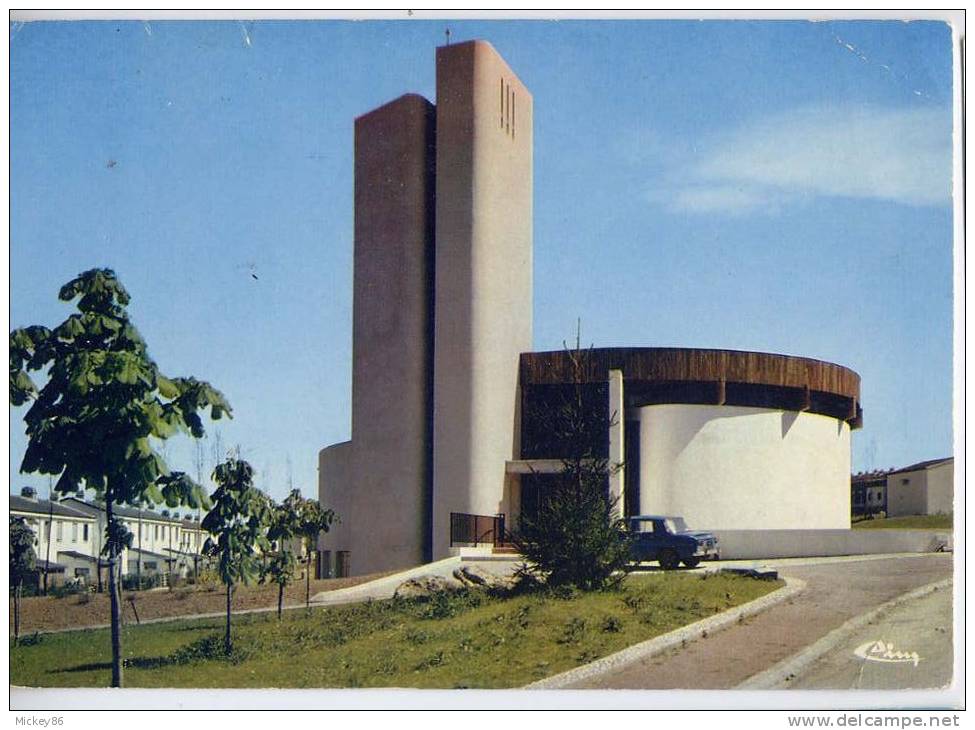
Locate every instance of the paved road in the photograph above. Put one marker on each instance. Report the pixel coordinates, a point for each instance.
(836, 592)
(920, 631)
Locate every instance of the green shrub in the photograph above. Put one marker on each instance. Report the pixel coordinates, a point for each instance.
(31, 639)
(69, 588)
(434, 660)
(135, 582)
(416, 636)
(573, 631)
(209, 648)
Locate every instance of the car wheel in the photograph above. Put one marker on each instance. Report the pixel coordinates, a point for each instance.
(668, 560)
(692, 562)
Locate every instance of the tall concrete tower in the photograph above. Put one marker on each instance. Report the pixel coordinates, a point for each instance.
(483, 299)
(442, 289)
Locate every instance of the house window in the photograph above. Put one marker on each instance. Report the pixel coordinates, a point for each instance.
(155, 532)
(74, 532)
(85, 537)
(60, 530)
(81, 572)
(47, 530)
(150, 565)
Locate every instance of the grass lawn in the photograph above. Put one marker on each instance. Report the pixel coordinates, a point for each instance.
(911, 522)
(469, 639)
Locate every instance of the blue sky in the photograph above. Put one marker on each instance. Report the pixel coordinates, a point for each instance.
(776, 186)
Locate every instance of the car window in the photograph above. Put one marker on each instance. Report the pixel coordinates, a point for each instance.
(644, 526)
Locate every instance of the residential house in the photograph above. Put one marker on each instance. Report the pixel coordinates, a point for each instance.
(925, 488)
(869, 492)
(62, 532)
(161, 542)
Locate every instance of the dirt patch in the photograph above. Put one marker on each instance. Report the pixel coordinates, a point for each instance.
(45, 613)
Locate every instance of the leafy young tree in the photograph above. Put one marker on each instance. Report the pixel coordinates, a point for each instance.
(573, 538)
(284, 526)
(237, 523)
(104, 407)
(23, 562)
(313, 519)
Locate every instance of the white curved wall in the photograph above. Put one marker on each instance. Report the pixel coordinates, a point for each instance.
(735, 468)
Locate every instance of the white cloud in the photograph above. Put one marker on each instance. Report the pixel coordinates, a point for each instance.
(711, 198)
(899, 155)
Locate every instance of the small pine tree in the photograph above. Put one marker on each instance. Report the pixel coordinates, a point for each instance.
(573, 537)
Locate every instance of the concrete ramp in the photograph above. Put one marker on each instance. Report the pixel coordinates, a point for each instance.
(385, 587)
(761, 544)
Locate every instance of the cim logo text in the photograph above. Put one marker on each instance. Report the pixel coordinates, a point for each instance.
(883, 651)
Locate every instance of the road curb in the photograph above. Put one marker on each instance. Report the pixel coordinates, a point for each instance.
(666, 642)
(777, 676)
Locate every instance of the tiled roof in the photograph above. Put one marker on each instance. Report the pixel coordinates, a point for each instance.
(82, 556)
(51, 567)
(44, 507)
(133, 513)
(924, 465)
(149, 554)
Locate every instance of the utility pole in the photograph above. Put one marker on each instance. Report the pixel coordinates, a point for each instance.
(50, 530)
(138, 560)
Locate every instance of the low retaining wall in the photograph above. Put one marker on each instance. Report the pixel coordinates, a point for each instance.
(759, 544)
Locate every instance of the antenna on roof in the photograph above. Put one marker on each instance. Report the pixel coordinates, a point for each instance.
(447, 33)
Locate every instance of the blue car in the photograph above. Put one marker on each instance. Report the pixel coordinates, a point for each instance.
(668, 541)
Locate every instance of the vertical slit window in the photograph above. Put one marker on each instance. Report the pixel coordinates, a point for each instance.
(508, 120)
(502, 103)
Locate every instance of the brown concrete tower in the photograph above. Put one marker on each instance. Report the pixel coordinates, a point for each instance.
(379, 484)
(441, 313)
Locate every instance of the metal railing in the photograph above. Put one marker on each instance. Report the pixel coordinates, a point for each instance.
(467, 529)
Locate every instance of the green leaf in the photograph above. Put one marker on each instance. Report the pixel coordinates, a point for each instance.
(167, 388)
(22, 388)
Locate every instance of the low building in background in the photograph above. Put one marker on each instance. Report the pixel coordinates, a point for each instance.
(925, 488)
(868, 493)
(60, 529)
(170, 542)
(162, 542)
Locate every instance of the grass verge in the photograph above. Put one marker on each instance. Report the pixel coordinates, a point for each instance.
(467, 639)
(910, 522)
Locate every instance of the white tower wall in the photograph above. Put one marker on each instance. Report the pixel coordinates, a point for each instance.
(483, 278)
